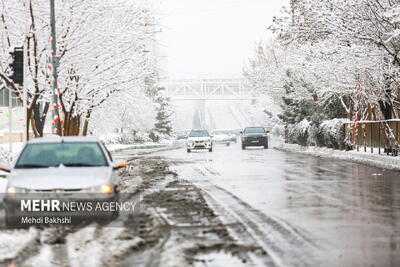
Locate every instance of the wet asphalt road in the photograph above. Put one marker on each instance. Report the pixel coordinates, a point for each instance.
(304, 211)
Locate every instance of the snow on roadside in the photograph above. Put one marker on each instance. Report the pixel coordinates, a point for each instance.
(175, 256)
(43, 259)
(104, 245)
(114, 147)
(12, 243)
(368, 158)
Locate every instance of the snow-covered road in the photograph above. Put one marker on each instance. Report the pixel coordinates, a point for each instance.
(302, 210)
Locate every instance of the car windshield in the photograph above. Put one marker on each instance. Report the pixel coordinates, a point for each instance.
(70, 154)
(199, 133)
(254, 130)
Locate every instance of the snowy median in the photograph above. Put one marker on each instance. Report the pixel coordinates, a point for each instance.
(119, 147)
(372, 159)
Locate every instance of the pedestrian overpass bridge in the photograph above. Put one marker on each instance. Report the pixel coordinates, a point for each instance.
(209, 89)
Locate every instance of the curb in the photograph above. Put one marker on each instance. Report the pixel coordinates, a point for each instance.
(377, 163)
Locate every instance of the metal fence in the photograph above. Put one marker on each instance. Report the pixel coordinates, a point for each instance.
(382, 135)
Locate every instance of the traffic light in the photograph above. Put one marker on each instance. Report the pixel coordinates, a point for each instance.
(17, 66)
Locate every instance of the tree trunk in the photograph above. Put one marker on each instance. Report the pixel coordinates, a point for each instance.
(28, 119)
(85, 127)
(71, 125)
(75, 125)
(387, 110)
(86, 123)
(66, 123)
(40, 119)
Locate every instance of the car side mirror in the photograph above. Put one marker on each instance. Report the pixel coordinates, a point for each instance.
(241, 132)
(5, 167)
(117, 166)
(267, 131)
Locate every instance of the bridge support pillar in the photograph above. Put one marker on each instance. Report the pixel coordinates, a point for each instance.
(199, 115)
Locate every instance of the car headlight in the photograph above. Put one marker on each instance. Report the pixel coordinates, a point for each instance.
(14, 190)
(104, 188)
(190, 142)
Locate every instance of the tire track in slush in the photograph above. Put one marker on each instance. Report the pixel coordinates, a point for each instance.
(285, 244)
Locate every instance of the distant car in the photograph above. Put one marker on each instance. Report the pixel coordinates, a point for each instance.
(60, 165)
(221, 136)
(199, 139)
(233, 136)
(254, 136)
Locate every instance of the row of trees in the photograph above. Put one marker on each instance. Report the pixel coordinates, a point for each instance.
(104, 51)
(332, 59)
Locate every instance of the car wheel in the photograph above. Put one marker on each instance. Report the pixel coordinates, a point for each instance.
(210, 150)
(228, 144)
(243, 147)
(266, 146)
(188, 150)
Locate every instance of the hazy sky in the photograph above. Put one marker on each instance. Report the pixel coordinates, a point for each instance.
(203, 38)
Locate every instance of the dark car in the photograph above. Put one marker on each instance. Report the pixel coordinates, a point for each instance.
(254, 136)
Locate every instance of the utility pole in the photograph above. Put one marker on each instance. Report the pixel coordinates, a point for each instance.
(17, 67)
(25, 135)
(56, 125)
(10, 133)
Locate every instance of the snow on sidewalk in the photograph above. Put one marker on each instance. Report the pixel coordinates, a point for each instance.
(372, 159)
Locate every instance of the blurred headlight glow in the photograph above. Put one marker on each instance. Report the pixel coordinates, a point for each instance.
(105, 188)
(11, 190)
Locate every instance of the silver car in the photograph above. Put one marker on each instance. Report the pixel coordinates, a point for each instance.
(199, 139)
(61, 165)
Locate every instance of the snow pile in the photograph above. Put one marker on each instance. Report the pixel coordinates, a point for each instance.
(44, 258)
(372, 159)
(103, 245)
(125, 138)
(12, 243)
(175, 256)
(117, 147)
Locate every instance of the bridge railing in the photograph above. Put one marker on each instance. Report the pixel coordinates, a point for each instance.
(208, 89)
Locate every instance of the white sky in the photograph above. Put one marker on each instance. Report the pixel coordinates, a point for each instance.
(213, 38)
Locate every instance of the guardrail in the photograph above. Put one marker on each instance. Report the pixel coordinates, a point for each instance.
(383, 135)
